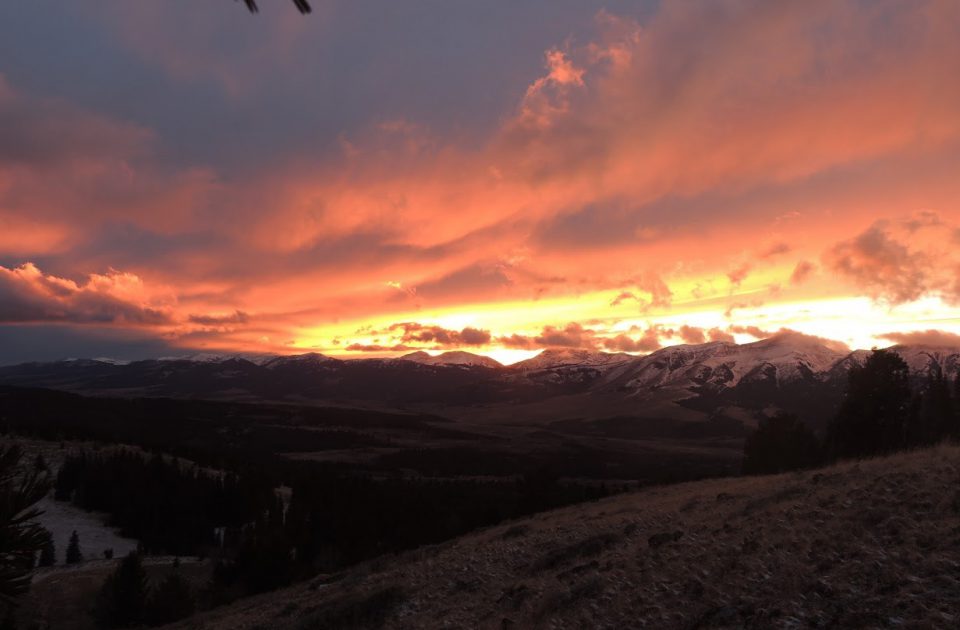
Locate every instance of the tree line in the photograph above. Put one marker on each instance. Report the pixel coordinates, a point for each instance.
(881, 412)
(127, 597)
(259, 539)
(167, 506)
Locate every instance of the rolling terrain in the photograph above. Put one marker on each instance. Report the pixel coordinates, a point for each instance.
(867, 544)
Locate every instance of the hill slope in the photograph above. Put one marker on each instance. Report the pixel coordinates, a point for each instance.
(868, 544)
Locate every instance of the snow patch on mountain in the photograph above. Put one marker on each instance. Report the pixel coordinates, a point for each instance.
(310, 358)
(212, 357)
(782, 358)
(926, 360)
(452, 358)
(564, 357)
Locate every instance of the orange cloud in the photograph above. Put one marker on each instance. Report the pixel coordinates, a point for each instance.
(738, 275)
(572, 335)
(375, 347)
(631, 159)
(753, 331)
(29, 295)
(802, 272)
(690, 334)
(59, 161)
(716, 334)
(647, 342)
(881, 265)
(933, 338)
(775, 250)
(622, 297)
(415, 332)
(759, 333)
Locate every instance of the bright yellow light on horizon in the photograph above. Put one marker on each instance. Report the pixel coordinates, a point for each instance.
(855, 321)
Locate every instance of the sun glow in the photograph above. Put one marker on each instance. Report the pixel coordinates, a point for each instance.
(589, 197)
(857, 322)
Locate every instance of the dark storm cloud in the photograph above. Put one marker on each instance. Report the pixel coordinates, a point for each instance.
(22, 343)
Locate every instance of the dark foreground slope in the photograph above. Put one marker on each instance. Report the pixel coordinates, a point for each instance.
(869, 544)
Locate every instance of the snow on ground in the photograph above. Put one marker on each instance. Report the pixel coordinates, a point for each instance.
(62, 518)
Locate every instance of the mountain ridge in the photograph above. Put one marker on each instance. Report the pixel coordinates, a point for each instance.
(453, 357)
(718, 379)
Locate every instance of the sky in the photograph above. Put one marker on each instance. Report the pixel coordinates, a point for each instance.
(377, 178)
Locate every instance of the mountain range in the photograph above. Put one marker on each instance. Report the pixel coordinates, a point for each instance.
(684, 382)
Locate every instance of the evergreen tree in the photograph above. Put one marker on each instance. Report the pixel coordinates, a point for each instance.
(20, 536)
(48, 553)
(779, 444)
(935, 419)
(956, 404)
(122, 599)
(875, 413)
(171, 601)
(74, 555)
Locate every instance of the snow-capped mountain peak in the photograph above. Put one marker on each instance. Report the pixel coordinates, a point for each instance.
(309, 358)
(213, 357)
(782, 358)
(456, 357)
(561, 357)
(925, 360)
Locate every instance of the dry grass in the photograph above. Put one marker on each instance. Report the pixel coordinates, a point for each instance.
(873, 544)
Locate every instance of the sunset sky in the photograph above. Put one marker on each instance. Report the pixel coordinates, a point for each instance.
(381, 177)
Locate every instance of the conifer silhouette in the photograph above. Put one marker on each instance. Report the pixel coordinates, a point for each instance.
(21, 537)
(74, 555)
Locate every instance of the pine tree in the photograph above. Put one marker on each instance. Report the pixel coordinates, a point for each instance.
(20, 536)
(122, 599)
(935, 418)
(875, 415)
(956, 405)
(74, 555)
(48, 554)
(171, 601)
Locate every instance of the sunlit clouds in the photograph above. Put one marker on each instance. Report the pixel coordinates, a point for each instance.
(646, 175)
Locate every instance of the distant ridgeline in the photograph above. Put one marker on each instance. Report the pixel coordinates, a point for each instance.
(788, 371)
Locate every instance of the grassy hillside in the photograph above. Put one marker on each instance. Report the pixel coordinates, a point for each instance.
(861, 544)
